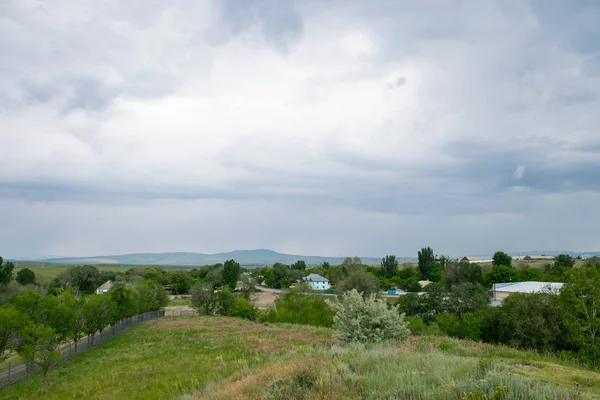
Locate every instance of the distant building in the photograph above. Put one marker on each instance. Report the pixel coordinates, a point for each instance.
(424, 283)
(475, 260)
(500, 291)
(317, 282)
(105, 287)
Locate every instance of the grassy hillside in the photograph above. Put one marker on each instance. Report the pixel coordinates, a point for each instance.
(45, 272)
(213, 357)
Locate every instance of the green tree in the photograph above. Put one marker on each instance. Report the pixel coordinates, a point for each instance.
(531, 321)
(389, 266)
(150, 296)
(25, 276)
(180, 282)
(299, 265)
(360, 319)
(467, 297)
(462, 272)
(125, 301)
(530, 274)
(299, 306)
(280, 276)
(564, 262)
(98, 312)
(231, 273)
(501, 258)
(224, 301)
(427, 264)
(580, 302)
(6, 271)
(411, 304)
(12, 323)
(203, 298)
(500, 274)
(85, 278)
(325, 265)
(361, 281)
(40, 346)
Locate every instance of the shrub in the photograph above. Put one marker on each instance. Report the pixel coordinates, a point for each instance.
(416, 325)
(244, 309)
(358, 319)
(303, 308)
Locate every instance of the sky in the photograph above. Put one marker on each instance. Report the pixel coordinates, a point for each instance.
(307, 127)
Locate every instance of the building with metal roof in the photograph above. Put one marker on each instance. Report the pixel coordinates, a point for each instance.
(500, 291)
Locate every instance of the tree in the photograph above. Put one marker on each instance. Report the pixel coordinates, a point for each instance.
(564, 262)
(325, 265)
(501, 258)
(462, 272)
(280, 276)
(25, 276)
(361, 281)
(180, 282)
(40, 345)
(231, 273)
(150, 296)
(389, 266)
(203, 298)
(299, 265)
(427, 263)
(6, 271)
(297, 307)
(124, 299)
(500, 274)
(360, 319)
(580, 302)
(86, 278)
(98, 312)
(467, 297)
(531, 321)
(247, 287)
(12, 323)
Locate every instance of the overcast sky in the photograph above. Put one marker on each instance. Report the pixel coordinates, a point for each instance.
(310, 127)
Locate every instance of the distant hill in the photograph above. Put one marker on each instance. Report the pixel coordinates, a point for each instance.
(244, 257)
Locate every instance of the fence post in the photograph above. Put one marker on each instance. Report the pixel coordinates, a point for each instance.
(9, 373)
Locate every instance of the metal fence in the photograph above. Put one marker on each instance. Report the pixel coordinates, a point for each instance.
(18, 370)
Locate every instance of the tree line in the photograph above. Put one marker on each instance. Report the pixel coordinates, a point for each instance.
(35, 324)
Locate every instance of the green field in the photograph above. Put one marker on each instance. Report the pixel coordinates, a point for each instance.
(218, 357)
(45, 272)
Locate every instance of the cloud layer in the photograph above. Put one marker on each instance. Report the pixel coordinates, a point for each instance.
(332, 128)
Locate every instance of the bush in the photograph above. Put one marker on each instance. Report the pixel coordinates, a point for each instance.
(303, 308)
(416, 325)
(244, 309)
(358, 319)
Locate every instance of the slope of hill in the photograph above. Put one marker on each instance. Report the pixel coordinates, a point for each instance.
(227, 358)
(244, 257)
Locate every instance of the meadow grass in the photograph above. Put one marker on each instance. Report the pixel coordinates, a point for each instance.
(218, 358)
(179, 303)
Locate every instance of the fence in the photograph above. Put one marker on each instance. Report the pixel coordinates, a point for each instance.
(16, 371)
(181, 313)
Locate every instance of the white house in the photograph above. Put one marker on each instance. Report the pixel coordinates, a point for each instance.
(105, 287)
(317, 282)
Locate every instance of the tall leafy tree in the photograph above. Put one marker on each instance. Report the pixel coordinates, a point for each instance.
(40, 346)
(360, 280)
(501, 258)
(6, 271)
(299, 265)
(580, 302)
(564, 261)
(12, 323)
(500, 274)
(231, 273)
(25, 276)
(427, 263)
(389, 266)
(203, 298)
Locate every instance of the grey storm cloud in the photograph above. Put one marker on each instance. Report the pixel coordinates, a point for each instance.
(334, 128)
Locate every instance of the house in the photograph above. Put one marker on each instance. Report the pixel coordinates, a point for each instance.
(105, 287)
(317, 282)
(500, 291)
(424, 283)
(475, 260)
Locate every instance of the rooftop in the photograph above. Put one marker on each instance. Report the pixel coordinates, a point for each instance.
(528, 287)
(105, 286)
(315, 278)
